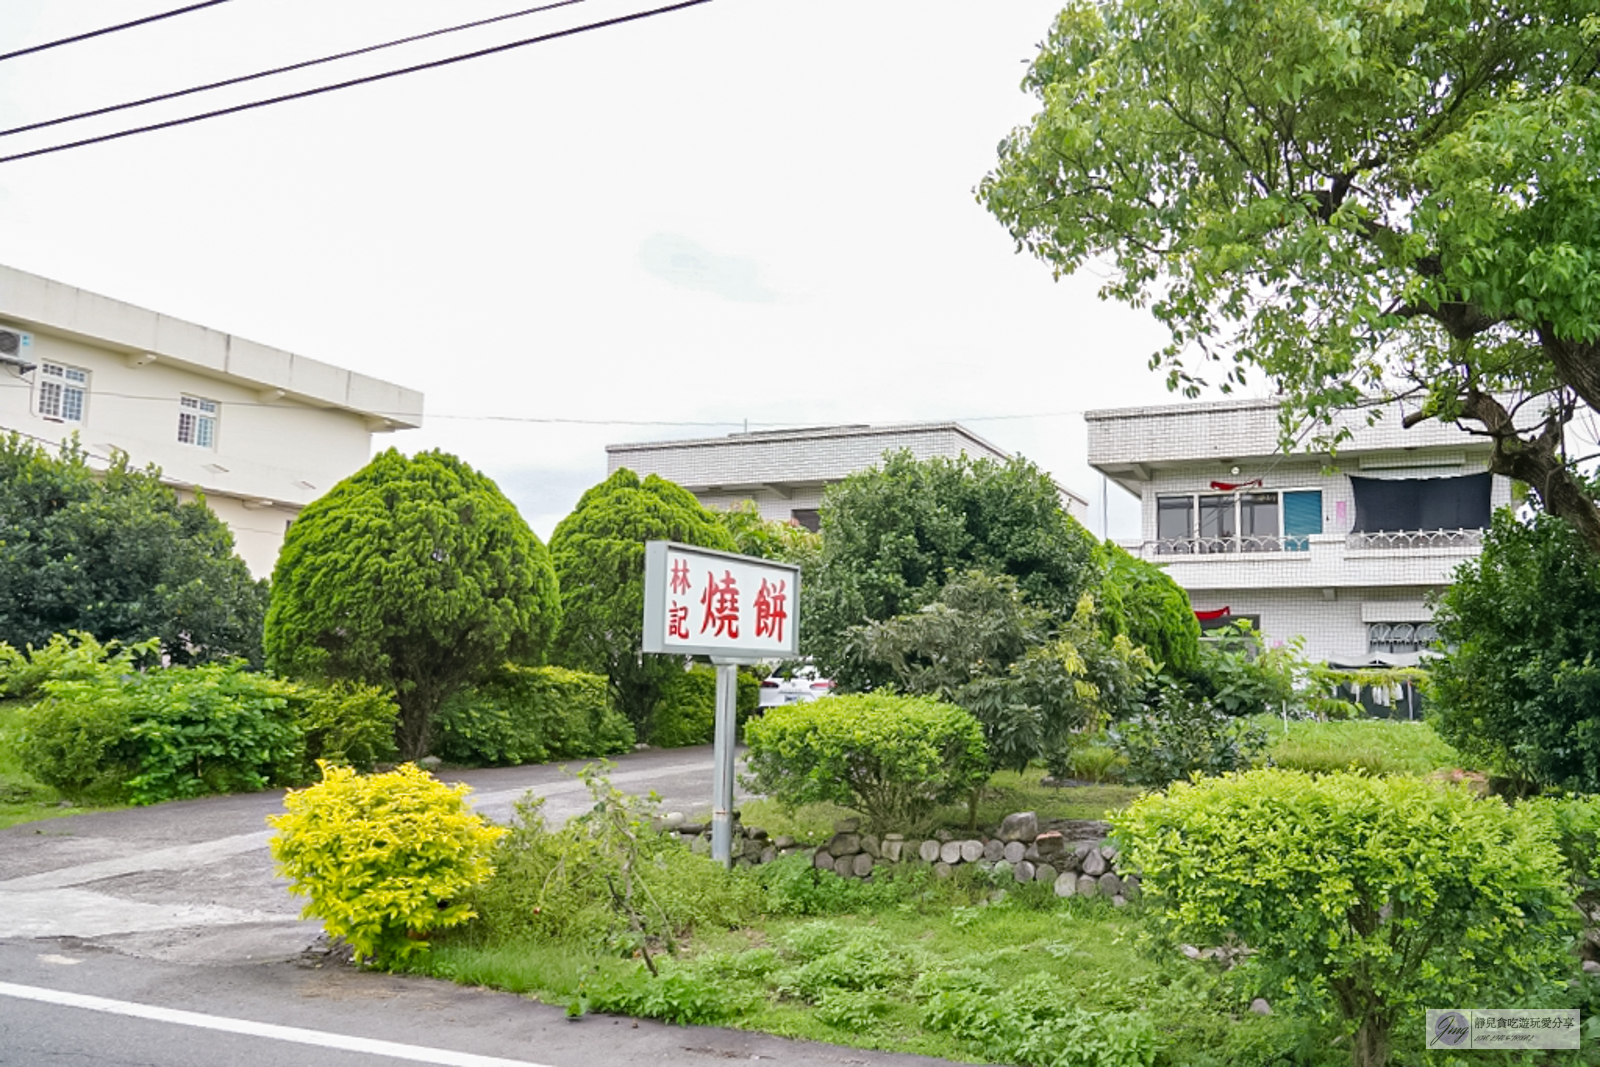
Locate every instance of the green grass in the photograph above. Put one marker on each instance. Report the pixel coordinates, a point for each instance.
(1377, 746)
(23, 798)
(762, 978)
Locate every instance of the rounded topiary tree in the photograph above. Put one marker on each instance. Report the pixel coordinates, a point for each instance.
(598, 552)
(414, 573)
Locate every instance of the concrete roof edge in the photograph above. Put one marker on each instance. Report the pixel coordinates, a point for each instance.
(808, 433)
(47, 306)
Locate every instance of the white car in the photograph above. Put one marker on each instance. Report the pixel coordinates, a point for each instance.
(802, 685)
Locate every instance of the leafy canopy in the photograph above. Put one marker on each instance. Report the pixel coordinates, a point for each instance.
(1358, 198)
(117, 556)
(892, 536)
(417, 574)
(599, 555)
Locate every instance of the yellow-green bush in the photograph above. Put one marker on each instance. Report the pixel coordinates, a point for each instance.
(382, 859)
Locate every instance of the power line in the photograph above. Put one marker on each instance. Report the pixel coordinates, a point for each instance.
(109, 29)
(282, 70)
(619, 20)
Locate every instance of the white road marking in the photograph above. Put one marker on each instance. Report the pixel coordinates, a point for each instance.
(65, 961)
(319, 1038)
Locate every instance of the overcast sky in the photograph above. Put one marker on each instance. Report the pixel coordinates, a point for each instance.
(751, 210)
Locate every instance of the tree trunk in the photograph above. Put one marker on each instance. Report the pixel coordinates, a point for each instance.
(1536, 460)
(1371, 1048)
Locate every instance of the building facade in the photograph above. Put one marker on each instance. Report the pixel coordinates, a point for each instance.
(786, 471)
(1345, 551)
(259, 431)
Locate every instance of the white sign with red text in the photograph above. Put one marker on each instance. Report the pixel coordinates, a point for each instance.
(700, 602)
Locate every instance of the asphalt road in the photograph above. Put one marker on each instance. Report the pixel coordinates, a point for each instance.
(160, 937)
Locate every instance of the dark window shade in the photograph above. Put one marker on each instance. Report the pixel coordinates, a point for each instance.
(1392, 504)
(807, 517)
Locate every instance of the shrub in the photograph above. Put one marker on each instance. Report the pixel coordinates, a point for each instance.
(1375, 746)
(1364, 899)
(1516, 689)
(382, 859)
(164, 734)
(891, 758)
(686, 714)
(530, 715)
(605, 879)
(1179, 736)
(347, 723)
(1034, 1022)
(72, 656)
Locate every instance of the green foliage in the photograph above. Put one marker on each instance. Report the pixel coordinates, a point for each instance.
(599, 555)
(1240, 675)
(774, 539)
(1178, 736)
(893, 536)
(891, 758)
(1093, 761)
(605, 879)
(1030, 677)
(347, 723)
(1372, 746)
(1364, 899)
(1139, 601)
(382, 859)
(794, 886)
(163, 734)
(1034, 1022)
(1426, 224)
(1518, 684)
(677, 997)
(687, 709)
(530, 715)
(68, 657)
(114, 554)
(416, 574)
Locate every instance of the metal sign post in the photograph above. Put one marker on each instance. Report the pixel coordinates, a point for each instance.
(734, 609)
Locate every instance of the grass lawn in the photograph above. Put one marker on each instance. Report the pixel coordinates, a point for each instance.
(23, 798)
(1377, 746)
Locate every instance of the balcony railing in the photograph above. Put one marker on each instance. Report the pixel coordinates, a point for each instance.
(1409, 539)
(1392, 540)
(1207, 546)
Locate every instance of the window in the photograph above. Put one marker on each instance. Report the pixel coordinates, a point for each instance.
(61, 392)
(1386, 505)
(1238, 522)
(197, 421)
(1174, 524)
(807, 518)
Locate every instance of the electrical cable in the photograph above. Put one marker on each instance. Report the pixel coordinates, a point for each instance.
(283, 70)
(108, 29)
(447, 61)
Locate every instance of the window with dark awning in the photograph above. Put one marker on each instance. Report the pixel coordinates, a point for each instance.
(1391, 504)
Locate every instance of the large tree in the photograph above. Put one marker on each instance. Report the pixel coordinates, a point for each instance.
(116, 555)
(1362, 199)
(417, 574)
(599, 555)
(893, 535)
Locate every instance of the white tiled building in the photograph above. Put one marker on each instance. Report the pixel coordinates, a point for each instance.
(1344, 551)
(786, 471)
(262, 432)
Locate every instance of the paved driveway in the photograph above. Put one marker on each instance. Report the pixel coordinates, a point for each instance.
(193, 882)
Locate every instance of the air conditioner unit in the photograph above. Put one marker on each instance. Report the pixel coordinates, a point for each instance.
(15, 348)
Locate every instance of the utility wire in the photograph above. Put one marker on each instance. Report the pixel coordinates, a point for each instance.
(282, 70)
(358, 81)
(108, 29)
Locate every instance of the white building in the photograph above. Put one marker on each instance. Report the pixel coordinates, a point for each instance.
(1344, 551)
(785, 471)
(262, 432)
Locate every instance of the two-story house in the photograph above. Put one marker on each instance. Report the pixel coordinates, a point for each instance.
(260, 431)
(785, 472)
(1343, 550)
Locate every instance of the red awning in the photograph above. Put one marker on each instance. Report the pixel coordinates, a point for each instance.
(1218, 614)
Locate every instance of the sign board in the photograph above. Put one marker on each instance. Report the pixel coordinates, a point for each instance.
(700, 602)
